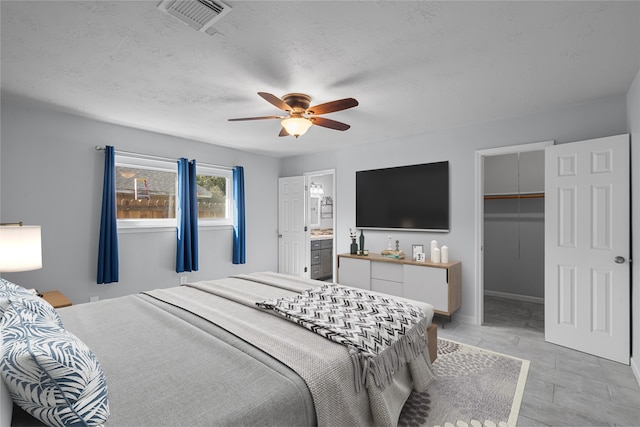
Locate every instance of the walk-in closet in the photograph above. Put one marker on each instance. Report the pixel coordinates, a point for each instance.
(514, 226)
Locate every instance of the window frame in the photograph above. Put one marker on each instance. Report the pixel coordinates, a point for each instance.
(210, 170)
(143, 162)
(167, 165)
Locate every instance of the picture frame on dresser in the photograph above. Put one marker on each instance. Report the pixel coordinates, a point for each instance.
(416, 250)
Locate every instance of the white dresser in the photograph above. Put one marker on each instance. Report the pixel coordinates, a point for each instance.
(437, 284)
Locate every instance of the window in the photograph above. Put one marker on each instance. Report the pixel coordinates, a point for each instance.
(214, 194)
(146, 193)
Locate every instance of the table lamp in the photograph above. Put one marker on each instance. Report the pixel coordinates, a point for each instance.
(20, 247)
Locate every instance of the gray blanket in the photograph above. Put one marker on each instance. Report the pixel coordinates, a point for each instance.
(325, 366)
(167, 367)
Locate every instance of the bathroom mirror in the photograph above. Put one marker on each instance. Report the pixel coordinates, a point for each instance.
(314, 210)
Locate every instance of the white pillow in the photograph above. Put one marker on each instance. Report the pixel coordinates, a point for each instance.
(49, 372)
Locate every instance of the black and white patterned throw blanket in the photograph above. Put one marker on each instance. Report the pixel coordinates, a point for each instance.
(382, 334)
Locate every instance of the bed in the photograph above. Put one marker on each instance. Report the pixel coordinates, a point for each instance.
(205, 354)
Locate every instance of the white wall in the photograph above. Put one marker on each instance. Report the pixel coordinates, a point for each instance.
(633, 118)
(574, 123)
(51, 174)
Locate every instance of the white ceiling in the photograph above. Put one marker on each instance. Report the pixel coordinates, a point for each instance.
(414, 67)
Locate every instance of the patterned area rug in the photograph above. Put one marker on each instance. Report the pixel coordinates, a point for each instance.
(473, 387)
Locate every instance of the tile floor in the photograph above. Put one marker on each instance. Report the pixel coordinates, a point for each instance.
(564, 387)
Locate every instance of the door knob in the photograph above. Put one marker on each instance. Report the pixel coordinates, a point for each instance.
(619, 260)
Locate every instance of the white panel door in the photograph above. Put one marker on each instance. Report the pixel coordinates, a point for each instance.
(587, 246)
(292, 232)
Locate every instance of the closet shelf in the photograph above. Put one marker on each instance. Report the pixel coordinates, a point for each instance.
(514, 216)
(514, 196)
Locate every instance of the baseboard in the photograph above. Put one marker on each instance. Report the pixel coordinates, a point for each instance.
(635, 368)
(516, 297)
(463, 318)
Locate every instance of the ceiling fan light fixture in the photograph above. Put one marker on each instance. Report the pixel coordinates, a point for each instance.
(300, 116)
(296, 126)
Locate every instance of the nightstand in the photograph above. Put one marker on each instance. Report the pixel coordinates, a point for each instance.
(56, 299)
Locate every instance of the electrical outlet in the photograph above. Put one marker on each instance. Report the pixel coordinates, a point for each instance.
(183, 280)
(94, 299)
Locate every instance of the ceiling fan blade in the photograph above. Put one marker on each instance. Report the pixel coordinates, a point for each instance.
(328, 123)
(256, 118)
(283, 132)
(275, 101)
(330, 107)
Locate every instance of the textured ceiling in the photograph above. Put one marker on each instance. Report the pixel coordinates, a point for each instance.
(414, 67)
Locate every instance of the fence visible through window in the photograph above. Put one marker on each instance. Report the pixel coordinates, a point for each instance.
(150, 193)
(145, 193)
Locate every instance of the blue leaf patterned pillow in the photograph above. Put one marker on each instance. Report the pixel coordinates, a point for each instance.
(8, 290)
(49, 372)
(12, 292)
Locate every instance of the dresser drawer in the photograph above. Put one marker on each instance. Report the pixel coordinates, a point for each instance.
(315, 271)
(326, 244)
(387, 287)
(387, 271)
(321, 244)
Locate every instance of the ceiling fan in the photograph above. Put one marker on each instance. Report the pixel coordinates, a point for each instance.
(301, 116)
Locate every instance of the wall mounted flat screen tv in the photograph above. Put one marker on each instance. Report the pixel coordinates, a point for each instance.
(414, 197)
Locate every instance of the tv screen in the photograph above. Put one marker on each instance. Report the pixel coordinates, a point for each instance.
(414, 197)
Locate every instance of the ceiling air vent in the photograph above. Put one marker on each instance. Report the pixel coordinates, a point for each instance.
(198, 14)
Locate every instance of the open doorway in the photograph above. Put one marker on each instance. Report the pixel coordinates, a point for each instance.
(509, 213)
(514, 240)
(321, 224)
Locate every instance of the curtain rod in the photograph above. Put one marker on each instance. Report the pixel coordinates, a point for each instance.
(150, 156)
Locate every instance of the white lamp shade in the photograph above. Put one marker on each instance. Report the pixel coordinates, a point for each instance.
(20, 248)
(296, 126)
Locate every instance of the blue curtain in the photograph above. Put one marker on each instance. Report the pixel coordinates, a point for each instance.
(187, 216)
(108, 246)
(239, 252)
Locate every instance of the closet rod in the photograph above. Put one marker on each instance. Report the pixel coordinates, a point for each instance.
(152, 157)
(514, 196)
